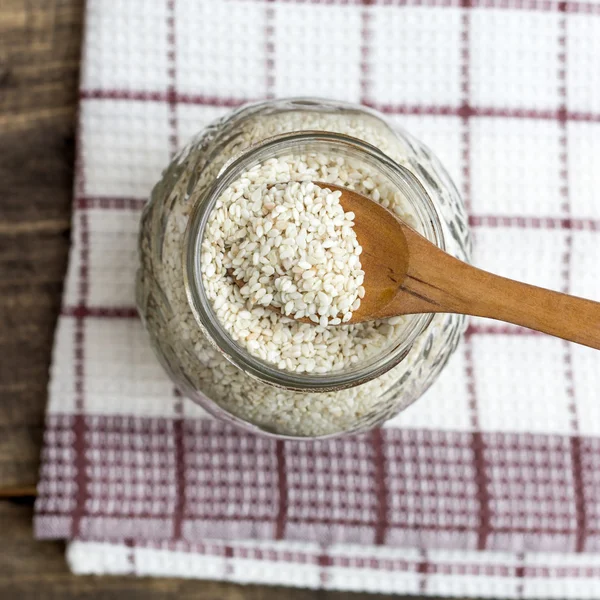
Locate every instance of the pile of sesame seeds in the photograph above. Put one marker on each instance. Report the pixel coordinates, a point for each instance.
(292, 247)
(295, 249)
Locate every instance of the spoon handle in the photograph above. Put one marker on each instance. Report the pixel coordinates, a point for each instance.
(438, 282)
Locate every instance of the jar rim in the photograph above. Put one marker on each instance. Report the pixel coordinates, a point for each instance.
(201, 306)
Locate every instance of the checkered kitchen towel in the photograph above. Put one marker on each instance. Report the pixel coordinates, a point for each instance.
(490, 484)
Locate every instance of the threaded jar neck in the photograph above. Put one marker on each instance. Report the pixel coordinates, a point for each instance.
(304, 142)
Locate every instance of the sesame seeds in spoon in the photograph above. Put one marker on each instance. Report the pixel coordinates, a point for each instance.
(302, 256)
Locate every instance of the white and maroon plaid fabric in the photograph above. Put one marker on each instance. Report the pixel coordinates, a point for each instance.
(490, 484)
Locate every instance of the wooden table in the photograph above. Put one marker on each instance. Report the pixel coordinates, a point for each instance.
(39, 65)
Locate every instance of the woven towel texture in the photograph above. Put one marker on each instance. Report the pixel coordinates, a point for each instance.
(487, 486)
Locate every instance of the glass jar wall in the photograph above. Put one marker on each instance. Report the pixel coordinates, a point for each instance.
(398, 359)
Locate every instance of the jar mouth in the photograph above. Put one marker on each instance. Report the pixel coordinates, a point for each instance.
(306, 141)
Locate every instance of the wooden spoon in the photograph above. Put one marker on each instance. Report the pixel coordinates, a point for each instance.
(407, 274)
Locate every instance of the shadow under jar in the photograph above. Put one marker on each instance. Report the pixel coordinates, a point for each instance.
(387, 364)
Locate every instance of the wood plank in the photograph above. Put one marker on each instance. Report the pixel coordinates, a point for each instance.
(27, 567)
(34, 244)
(39, 64)
(39, 61)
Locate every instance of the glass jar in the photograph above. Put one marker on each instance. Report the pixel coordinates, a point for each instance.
(198, 352)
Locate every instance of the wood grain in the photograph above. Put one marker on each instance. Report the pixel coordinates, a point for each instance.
(40, 43)
(438, 282)
(39, 59)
